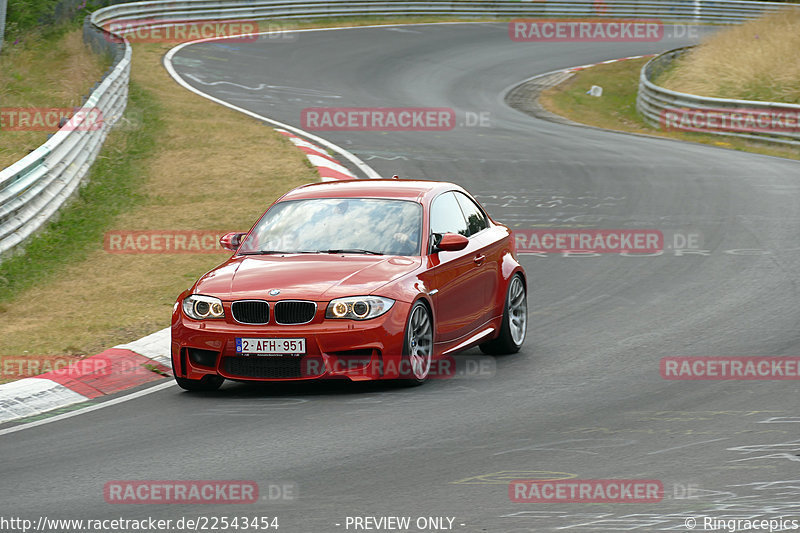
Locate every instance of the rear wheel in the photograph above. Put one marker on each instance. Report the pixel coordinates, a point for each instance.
(515, 321)
(418, 345)
(206, 384)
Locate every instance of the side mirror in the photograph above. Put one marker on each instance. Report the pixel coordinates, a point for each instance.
(231, 241)
(451, 242)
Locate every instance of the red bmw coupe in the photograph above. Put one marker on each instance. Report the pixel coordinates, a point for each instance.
(362, 280)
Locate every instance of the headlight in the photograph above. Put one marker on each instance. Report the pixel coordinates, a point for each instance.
(358, 307)
(201, 307)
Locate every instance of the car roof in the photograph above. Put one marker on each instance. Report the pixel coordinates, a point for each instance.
(399, 189)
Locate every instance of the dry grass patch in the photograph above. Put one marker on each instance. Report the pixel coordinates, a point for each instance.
(616, 109)
(212, 169)
(758, 60)
(215, 168)
(56, 71)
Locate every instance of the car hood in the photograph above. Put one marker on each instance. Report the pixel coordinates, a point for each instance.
(303, 276)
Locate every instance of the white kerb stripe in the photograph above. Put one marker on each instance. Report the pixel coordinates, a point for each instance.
(318, 161)
(297, 141)
(32, 396)
(155, 346)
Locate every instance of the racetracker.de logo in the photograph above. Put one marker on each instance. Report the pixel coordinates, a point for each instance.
(181, 492)
(588, 241)
(586, 491)
(446, 367)
(561, 30)
(178, 31)
(773, 120)
(730, 368)
(378, 119)
(50, 119)
(56, 366)
(163, 242)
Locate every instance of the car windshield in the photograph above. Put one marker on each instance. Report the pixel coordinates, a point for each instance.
(338, 225)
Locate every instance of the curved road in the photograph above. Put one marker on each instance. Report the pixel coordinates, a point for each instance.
(584, 398)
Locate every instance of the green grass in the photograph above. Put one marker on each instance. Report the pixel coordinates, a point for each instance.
(616, 109)
(22, 29)
(26, 18)
(752, 61)
(113, 187)
(618, 103)
(54, 70)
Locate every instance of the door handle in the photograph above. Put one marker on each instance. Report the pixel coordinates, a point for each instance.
(479, 259)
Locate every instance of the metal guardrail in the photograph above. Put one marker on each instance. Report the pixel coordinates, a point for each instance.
(32, 190)
(35, 187)
(723, 11)
(749, 119)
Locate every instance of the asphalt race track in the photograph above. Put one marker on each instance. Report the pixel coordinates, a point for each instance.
(584, 399)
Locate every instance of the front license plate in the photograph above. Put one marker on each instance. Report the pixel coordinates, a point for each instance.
(247, 346)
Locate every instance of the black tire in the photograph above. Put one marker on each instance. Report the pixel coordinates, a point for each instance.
(417, 345)
(515, 313)
(207, 384)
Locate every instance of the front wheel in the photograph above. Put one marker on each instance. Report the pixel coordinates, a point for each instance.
(418, 345)
(515, 321)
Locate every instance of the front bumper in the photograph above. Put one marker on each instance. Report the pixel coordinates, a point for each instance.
(335, 349)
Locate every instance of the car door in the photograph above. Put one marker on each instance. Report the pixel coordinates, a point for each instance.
(459, 302)
(490, 252)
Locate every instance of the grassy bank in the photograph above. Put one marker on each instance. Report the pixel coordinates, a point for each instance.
(54, 70)
(183, 163)
(616, 109)
(755, 61)
(114, 186)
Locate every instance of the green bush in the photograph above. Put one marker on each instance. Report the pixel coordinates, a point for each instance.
(28, 16)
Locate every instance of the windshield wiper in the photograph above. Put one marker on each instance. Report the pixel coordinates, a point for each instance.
(278, 252)
(351, 251)
(334, 251)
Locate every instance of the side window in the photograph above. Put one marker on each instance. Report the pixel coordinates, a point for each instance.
(476, 220)
(446, 216)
